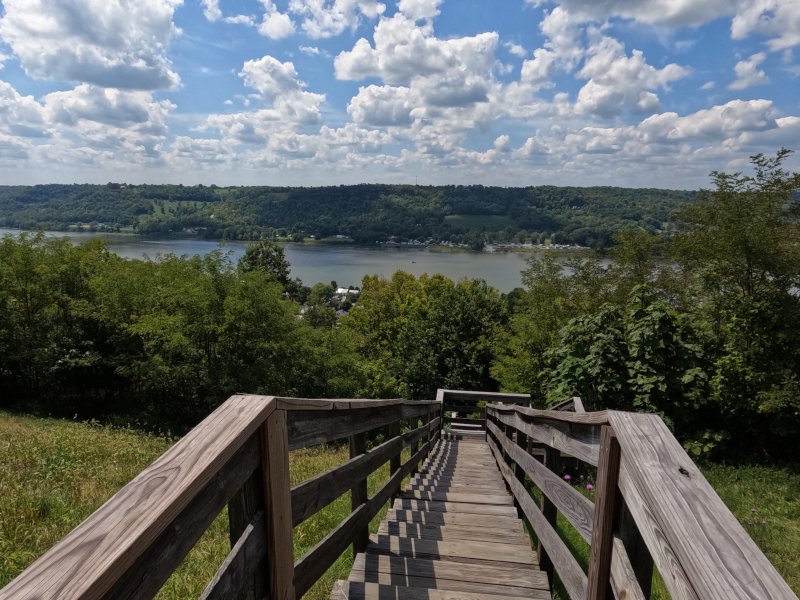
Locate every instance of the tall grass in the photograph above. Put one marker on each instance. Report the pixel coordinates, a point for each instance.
(54, 474)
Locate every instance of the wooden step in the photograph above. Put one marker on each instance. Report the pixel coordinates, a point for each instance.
(357, 590)
(423, 548)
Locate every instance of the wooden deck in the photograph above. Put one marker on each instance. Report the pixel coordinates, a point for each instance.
(453, 534)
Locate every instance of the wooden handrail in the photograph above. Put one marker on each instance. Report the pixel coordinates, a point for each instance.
(239, 456)
(654, 507)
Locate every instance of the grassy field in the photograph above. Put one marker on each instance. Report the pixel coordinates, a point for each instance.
(53, 474)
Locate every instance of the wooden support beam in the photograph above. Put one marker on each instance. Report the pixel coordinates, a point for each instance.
(278, 502)
(598, 587)
(358, 494)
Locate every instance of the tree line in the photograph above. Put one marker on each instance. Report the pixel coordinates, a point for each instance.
(367, 214)
(699, 326)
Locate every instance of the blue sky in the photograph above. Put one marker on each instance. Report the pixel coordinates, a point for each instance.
(316, 92)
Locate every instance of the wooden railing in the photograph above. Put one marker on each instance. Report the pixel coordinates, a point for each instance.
(653, 508)
(239, 457)
(466, 409)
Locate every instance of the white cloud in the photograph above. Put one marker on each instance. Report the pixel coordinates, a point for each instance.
(107, 106)
(21, 115)
(314, 51)
(112, 44)
(211, 10)
(708, 85)
(748, 74)
(618, 82)
(419, 9)
(516, 49)
(659, 12)
(327, 18)
(381, 106)
(240, 20)
(275, 24)
(775, 19)
(403, 52)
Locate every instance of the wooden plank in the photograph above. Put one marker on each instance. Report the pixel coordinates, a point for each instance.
(581, 441)
(278, 503)
(311, 428)
(450, 585)
(358, 493)
(329, 404)
(154, 566)
(440, 518)
(635, 551)
(313, 494)
(87, 562)
(425, 548)
(623, 577)
(575, 506)
(521, 575)
(584, 418)
(462, 507)
(683, 519)
(598, 586)
(234, 579)
(243, 508)
(570, 572)
(356, 590)
(453, 532)
(503, 499)
(470, 395)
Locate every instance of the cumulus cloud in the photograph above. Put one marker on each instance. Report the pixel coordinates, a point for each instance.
(618, 82)
(112, 44)
(404, 51)
(327, 18)
(21, 115)
(516, 49)
(117, 108)
(419, 9)
(275, 24)
(211, 10)
(381, 106)
(748, 74)
(658, 12)
(775, 19)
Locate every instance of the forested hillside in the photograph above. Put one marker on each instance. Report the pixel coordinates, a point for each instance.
(365, 213)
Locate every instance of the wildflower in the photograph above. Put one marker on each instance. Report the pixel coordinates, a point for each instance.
(753, 510)
(763, 521)
(589, 487)
(567, 477)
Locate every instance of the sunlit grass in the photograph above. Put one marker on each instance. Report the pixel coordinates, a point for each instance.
(54, 474)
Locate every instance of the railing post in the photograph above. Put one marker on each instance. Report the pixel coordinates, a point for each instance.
(278, 503)
(641, 560)
(358, 494)
(519, 472)
(414, 446)
(552, 460)
(242, 508)
(392, 431)
(598, 587)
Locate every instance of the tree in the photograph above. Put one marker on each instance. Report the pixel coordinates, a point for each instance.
(266, 256)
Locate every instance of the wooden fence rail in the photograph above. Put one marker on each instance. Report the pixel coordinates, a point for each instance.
(239, 457)
(653, 507)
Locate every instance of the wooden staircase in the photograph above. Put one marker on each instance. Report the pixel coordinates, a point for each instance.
(454, 534)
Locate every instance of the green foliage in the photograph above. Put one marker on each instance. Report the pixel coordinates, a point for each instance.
(363, 213)
(422, 334)
(268, 257)
(709, 341)
(160, 343)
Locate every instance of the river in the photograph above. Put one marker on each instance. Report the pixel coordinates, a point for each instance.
(344, 263)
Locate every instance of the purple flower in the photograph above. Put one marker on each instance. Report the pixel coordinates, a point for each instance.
(567, 477)
(589, 487)
(753, 510)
